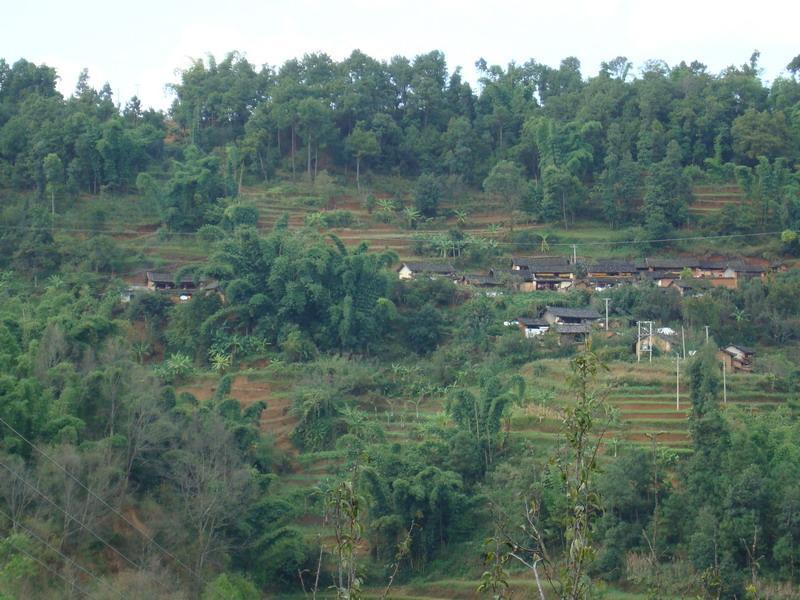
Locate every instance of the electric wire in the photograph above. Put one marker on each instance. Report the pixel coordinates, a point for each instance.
(133, 526)
(67, 514)
(67, 559)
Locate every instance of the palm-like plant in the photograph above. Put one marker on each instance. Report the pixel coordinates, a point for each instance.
(411, 215)
(220, 361)
(461, 217)
(545, 246)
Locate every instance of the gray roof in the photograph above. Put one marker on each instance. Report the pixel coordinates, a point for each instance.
(743, 268)
(531, 322)
(423, 267)
(672, 263)
(744, 349)
(548, 264)
(573, 313)
(157, 277)
(481, 280)
(573, 328)
(523, 275)
(611, 266)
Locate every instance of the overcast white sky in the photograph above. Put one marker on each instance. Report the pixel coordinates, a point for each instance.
(137, 46)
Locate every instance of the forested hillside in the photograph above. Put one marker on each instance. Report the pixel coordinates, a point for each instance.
(358, 330)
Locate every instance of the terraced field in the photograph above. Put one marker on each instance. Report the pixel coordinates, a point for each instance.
(712, 198)
(487, 221)
(644, 398)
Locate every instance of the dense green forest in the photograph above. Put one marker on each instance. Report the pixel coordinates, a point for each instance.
(305, 424)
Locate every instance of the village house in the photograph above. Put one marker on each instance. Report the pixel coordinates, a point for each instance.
(484, 281)
(572, 333)
(166, 281)
(521, 281)
(531, 327)
(546, 272)
(687, 287)
(741, 271)
(559, 315)
(671, 266)
(611, 269)
(413, 270)
(737, 357)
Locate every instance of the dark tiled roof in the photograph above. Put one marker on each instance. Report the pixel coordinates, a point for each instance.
(521, 275)
(573, 313)
(611, 266)
(573, 328)
(531, 322)
(549, 264)
(712, 265)
(481, 280)
(156, 277)
(672, 263)
(743, 268)
(423, 267)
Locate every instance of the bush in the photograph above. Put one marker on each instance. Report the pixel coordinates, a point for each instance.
(330, 218)
(210, 233)
(230, 586)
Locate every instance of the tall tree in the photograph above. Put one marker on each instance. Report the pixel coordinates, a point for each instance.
(361, 143)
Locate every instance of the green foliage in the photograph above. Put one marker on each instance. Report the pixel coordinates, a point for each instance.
(230, 587)
(427, 194)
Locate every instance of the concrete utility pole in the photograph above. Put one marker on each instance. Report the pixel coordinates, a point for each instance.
(607, 300)
(649, 339)
(683, 342)
(706, 326)
(574, 253)
(638, 340)
(677, 382)
(724, 384)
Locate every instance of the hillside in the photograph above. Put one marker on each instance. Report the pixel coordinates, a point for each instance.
(356, 329)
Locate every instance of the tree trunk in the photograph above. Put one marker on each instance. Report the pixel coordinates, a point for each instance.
(308, 157)
(358, 174)
(564, 210)
(293, 168)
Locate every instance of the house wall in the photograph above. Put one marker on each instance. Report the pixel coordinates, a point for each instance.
(405, 273)
(724, 282)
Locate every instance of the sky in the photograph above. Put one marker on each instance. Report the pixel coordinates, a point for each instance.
(138, 47)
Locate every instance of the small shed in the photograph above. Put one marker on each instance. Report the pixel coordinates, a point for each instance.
(412, 270)
(572, 333)
(689, 287)
(486, 281)
(561, 314)
(155, 280)
(737, 357)
(532, 328)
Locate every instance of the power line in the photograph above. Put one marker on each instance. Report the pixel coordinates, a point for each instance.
(53, 571)
(70, 516)
(149, 539)
(56, 550)
(377, 241)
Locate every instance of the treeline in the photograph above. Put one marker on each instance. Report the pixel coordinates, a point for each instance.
(619, 145)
